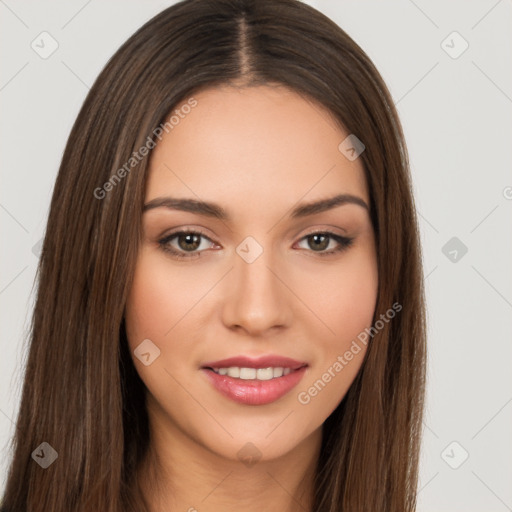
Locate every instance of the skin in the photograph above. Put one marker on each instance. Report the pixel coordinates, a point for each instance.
(257, 152)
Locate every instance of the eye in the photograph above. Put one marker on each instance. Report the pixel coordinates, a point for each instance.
(186, 244)
(321, 240)
(190, 244)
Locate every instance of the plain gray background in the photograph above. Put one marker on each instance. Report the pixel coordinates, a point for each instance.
(455, 105)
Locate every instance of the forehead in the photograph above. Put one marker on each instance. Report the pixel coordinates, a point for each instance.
(264, 143)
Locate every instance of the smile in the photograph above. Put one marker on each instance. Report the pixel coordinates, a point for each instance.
(253, 373)
(254, 386)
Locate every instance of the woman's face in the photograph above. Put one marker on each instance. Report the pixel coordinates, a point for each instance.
(251, 283)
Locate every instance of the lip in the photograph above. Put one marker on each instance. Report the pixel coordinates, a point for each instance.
(257, 362)
(253, 391)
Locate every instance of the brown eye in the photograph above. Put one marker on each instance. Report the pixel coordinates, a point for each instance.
(319, 241)
(185, 244)
(189, 241)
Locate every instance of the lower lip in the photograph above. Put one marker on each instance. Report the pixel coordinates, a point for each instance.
(252, 391)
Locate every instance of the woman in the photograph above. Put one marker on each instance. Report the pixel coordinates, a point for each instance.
(230, 307)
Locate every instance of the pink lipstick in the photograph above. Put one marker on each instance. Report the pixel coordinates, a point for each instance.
(254, 381)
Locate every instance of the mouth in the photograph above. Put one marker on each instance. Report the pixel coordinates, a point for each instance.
(245, 373)
(254, 381)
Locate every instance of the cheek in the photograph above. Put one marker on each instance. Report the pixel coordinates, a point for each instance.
(343, 296)
(357, 289)
(353, 305)
(345, 300)
(157, 300)
(156, 303)
(145, 306)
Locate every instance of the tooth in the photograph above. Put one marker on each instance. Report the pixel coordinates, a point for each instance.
(234, 371)
(247, 373)
(265, 373)
(278, 372)
(253, 373)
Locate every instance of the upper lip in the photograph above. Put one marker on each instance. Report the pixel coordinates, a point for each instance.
(267, 361)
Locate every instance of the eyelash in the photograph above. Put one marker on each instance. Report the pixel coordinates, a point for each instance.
(344, 243)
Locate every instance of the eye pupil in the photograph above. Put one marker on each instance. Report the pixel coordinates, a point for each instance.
(190, 239)
(322, 244)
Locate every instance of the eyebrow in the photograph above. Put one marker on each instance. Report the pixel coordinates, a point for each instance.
(210, 209)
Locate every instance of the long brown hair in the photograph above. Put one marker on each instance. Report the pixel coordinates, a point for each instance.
(81, 392)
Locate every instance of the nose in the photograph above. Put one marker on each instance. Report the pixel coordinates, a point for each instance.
(256, 299)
